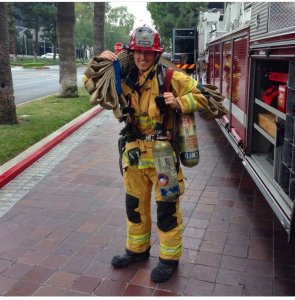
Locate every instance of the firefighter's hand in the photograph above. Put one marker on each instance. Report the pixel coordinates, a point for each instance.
(108, 55)
(171, 100)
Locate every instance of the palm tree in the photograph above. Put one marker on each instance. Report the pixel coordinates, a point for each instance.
(7, 105)
(65, 21)
(98, 27)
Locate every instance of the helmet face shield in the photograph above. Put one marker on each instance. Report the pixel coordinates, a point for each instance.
(145, 39)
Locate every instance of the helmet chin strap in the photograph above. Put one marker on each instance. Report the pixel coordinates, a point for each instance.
(158, 58)
(152, 71)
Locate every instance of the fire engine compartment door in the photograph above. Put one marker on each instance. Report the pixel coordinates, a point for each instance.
(234, 86)
(272, 196)
(292, 227)
(291, 91)
(239, 86)
(270, 157)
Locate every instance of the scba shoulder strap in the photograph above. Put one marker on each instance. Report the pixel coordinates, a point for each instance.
(168, 78)
(164, 76)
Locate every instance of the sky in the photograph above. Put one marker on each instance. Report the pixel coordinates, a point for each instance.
(138, 9)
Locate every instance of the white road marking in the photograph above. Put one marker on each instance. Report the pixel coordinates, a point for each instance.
(34, 81)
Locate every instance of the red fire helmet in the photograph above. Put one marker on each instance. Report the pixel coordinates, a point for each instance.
(118, 47)
(145, 38)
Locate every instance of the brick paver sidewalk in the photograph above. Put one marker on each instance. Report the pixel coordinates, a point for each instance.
(59, 237)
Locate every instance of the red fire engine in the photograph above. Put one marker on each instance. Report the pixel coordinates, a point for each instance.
(254, 68)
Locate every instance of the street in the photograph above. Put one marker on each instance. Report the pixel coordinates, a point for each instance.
(30, 84)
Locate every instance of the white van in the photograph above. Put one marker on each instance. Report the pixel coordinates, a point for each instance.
(49, 55)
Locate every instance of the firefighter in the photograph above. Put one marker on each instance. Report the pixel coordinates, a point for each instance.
(141, 87)
(118, 47)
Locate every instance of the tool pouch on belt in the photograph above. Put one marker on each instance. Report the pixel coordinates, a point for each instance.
(133, 151)
(215, 109)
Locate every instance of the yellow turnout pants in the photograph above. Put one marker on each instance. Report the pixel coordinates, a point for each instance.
(138, 184)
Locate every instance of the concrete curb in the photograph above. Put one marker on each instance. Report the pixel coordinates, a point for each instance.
(15, 166)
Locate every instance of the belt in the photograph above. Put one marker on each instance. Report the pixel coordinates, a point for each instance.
(149, 137)
(153, 137)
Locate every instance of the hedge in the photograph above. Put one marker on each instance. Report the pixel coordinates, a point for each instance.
(34, 65)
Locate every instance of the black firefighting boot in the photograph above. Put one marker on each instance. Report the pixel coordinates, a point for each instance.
(124, 260)
(163, 271)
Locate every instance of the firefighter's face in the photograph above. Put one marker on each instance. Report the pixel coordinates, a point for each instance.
(144, 60)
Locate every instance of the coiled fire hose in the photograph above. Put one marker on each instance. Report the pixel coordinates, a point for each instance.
(102, 81)
(215, 109)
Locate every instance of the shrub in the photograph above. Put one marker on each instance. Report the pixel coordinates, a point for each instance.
(33, 65)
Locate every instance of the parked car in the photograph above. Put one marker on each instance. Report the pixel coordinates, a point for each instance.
(49, 55)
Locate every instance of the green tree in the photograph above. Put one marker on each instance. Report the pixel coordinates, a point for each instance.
(49, 28)
(169, 15)
(12, 16)
(118, 24)
(99, 26)
(65, 21)
(7, 105)
(35, 15)
(84, 26)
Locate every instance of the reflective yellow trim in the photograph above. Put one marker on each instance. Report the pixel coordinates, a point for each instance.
(171, 250)
(125, 158)
(189, 87)
(144, 121)
(192, 103)
(145, 162)
(139, 239)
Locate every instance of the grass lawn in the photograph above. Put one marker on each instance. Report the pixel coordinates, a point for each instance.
(38, 119)
(25, 60)
(47, 61)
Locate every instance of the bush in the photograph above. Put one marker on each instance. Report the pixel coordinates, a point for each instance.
(33, 65)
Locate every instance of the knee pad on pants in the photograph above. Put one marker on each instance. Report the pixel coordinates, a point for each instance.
(131, 204)
(165, 212)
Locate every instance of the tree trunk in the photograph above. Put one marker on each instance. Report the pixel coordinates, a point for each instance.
(98, 27)
(7, 105)
(65, 20)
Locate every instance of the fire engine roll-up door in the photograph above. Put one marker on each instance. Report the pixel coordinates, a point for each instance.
(291, 106)
(271, 157)
(228, 69)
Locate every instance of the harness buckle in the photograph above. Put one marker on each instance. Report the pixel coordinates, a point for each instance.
(150, 137)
